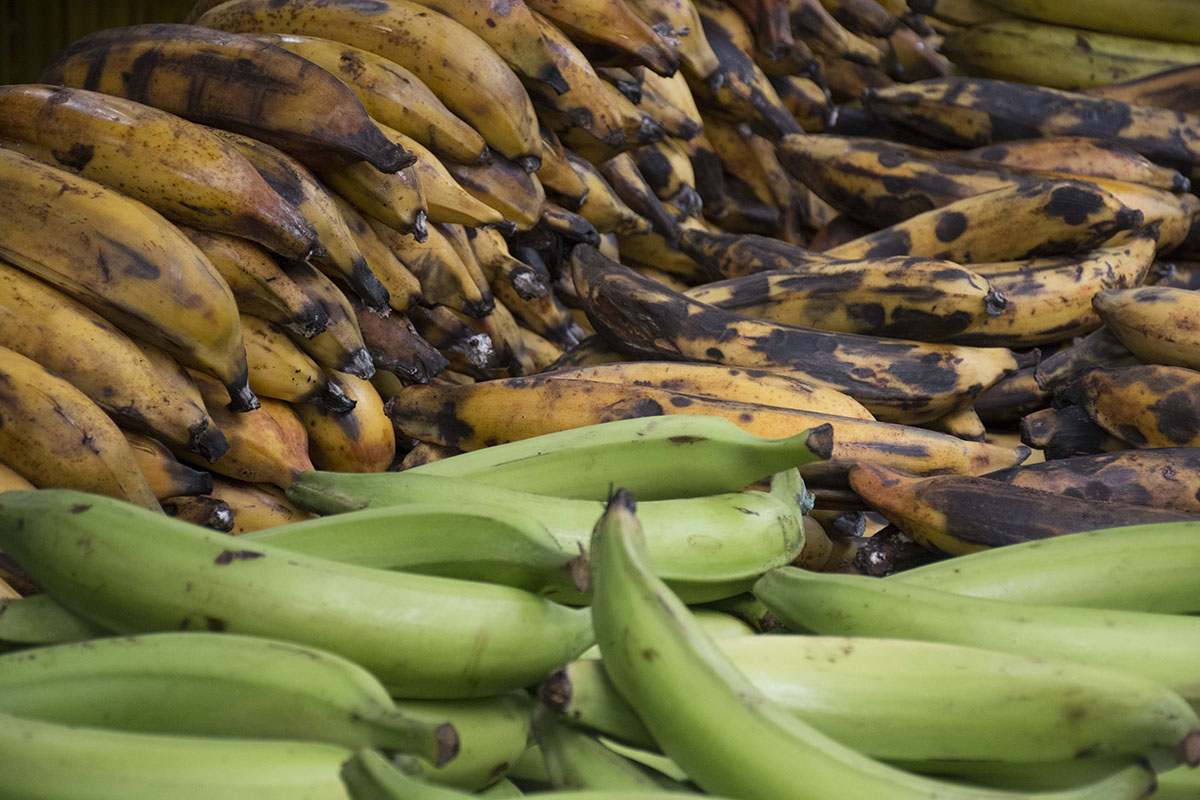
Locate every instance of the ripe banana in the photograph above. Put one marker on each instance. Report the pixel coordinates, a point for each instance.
(444, 278)
(124, 261)
(1139, 568)
(730, 255)
(501, 267)
(670, 101)
(77, 344)
(255, 506)
(1050, 300)
(680, 20)
(53, 435)
(358, 439)
(1171, 89)
(854, 605)
(959, 514)
(232, 82)
(174, 166)
(506, 187)
(556, 175)
(1170, 20)
(340, 345)
(644, 318)
(397, 348)
(456, 235)
(669, 173)
(492, 638)
(1005, 403)
(899, 297)
(1067, 432)
(970, 112)
(281, 370)
(828, 37)
(165, 474)
(602, 206)
(1099, 349)
(467, 350)
(627, 181)
(621, 35)
(1154, 322)
(808, 102)
(390, 93)
(1145, 405)
(403, 288)
(635, 613)
(460, 68)
(397, 199)
(202, 684)
(837, 684)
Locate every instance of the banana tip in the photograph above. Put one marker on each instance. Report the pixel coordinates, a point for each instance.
(242, 398)
(1189, 748)
(359, 364)
(820, 441)
(555, 692)
(529, 163)
(447, 744)
(207, 441)
(1180, 183)
(393, 159)
(553, 77)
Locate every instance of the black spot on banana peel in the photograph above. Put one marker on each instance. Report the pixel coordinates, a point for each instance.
(729, 255)
(1066, 432)
(962, 514)
(898, 381)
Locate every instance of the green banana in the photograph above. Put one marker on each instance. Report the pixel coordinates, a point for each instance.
(991, 706)
(207, 684)
(681, 455)
(705, 548)
(38, 619)
(1137, 568)
(706, 716)
(421, 636)
(577, 760)
(854, 605)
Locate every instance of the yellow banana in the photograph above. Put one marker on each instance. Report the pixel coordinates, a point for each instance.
(567, 224)
(340, 345)
(280, 369)
(556, 174)
(679, 18)
(469, 352)
(266, 445)
(1172, 20)
(55, 437)
(444, 279)
(358, 440)
(232, 82)
(397, 199)
(1172, 89)
(256, 506)
(78, 345)
(542, 352)
(503, 185)
(965, 424)
(959, 12)
(669, 173)
(807, 100)
(1049, 300)
(641, 250)
(1147, 405)
(174, 166)
(670, 101)
(627, 181)
(1081, 157)
(545, 315)
(1156, 323)
(501, 266)
(459, 67)
(750, 160)
(390, 93)
(165, 474)
(603, 207)
(456, 235)
(502, 327)
(825, 34)
(403, 288)
(639, 126)
(123, 260)
(615, 27)
(10, 479)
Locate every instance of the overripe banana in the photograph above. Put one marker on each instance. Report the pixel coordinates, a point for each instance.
(165, 474)
(444, 278)
(1169, 89)
(1081, 156)
(340, 345)
(1153, 322)
(613, 26)
(358, 439)
(730, 255)
(505, 186)
(1145, 405)
(281, 370)
(397, 348)
(1067, 432)
(1099, 349)
(403, 288)
(255, 506)
(679, 18)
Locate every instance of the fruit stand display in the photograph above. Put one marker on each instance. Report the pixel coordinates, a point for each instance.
(750, 398)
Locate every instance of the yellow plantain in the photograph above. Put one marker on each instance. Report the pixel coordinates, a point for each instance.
(542, 352)
(670, 101)
(628, 183)
(397, 200)
(55, 437)
(603, 207)
(545, 315)
(1049, 300)
(256, 506)
(340, 345)
(614, 26)
(897, 380)
(960, 514)
(1172, 20)
(456, 235)
(1081, 156)
(1146, 405)
(358, 440)
(556, 175)
(1158, 324)
(444, 279)
(390, 93)
(460, 68)
(964, 424)
(503, 185)
(502, 267)
(80, 346)
(1173, 89)
(669, 173)
(232, 82)
(165, 474)
(123, 260)
(638, 125)
(403, 288)
(730, 255)
(280, 369)
(808, 102)
(176, 167)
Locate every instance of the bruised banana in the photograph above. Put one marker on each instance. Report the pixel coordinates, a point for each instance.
(340, 345)
(403, 288)
(1067, 432)
(229, 81)
(1154, 322)
(644, 318)
(1003, 404)
(443, 277)
(761, 528)
(357, 439)
(1081, 156)
(77, 344)
(1071, 282)
(1099, 349)
(54, 436)
(165, 474)
(390, 93)
(255, 506)
(1170, 89)
(397, 348)
(174, 166)
(731, 255)
(1056, 217)
(959, 514)
(124, 261)
(614, 27)
(899, 297)
(502, 184)
(468, 351)
(281, 370)
(208, 685)
(459, 67)
(1146, 405)
(634, 611)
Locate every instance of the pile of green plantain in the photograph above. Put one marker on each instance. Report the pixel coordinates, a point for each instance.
(752, 398)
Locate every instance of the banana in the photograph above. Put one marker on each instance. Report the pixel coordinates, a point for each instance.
(255, 506)
(205, 76)
(710, 178)
(1170, 89)
(749, 531)
(467, 350)
(864, 606)
(732, 459)
(340, 345)
(426, 453)
(390, 93)
(731, 255)
(493, 638)
(1007, 402)
(602, 206)
(680, 20)
(770, 23)
(208, 685)
(397, 348)
(615, 29)
(460, 68)
(1170, 20)
(959, 12)
(38, 620)
(505, 331)
(1153, 322)
(964, 424)
(503, 185)
(622, 174)
(63, 761)
(911, 298)
(576, 760)
(358, 439)
(1050, 300)
(838, 683)
(280, 370)
(669, 173)
(266, 445)
(397, 200)
(556, 175)
(124, 261)
(456, 236)
(671, 102)
(808, 102)
(1145, 405)
(53, 435)
(1082, 59)
(1083, 157)
(1099, 349)
(637, 123)
(501, 267)
(11, 479)
(541, 351)
(970, 112)
(165, 474)
(1139, 568)
(197, 509)
(634, 613)
(403, 288)
(749, 161)
(174, 166)
(955, 514)
(77, 344)
(822, 31)
(1067, 432)
(444, 278)
(633, 313)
